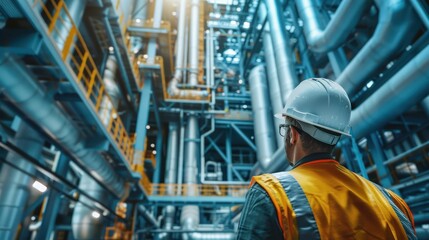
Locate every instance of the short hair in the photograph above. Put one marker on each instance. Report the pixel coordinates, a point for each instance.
(310, 144)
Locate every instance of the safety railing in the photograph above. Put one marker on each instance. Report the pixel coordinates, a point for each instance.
(163, 189)
(77, 56)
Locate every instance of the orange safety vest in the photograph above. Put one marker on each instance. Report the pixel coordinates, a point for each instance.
(323, 200)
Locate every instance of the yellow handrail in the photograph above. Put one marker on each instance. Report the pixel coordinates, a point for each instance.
(76, 55)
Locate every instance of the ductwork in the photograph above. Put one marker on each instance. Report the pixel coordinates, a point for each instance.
(262, 116)
(284, 57)
(173, 89)
(14, 184)
(170, 172)
(391, 27)
(342, 23)
(273, 79)
(194, 42)
(84, 225)
(19, 86)
(405, 89)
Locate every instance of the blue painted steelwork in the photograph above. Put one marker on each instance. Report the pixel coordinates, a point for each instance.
(53, 203)
(228, 156)
(143, 115)
(243, 136)
(379, 157)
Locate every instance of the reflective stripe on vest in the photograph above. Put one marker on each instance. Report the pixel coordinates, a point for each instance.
(406, 224)
(286, 193)
(304, 215)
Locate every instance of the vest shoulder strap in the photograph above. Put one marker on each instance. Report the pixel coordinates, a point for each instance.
(293, 209)
(406, 223)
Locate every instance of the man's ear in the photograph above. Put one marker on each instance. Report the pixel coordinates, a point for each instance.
(293, 135)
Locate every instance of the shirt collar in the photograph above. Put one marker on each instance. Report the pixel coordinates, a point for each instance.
(312, 157)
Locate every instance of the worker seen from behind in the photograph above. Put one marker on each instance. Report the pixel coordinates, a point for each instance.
(319, 198)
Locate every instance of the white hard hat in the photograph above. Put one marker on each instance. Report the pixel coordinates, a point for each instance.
(320, 104)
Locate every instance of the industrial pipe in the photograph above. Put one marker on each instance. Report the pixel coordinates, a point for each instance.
(273, 79)
(262, 116)
(84, 225)
(170, 172)
(342, 23)
(194, 42)
(14, 184)
(376, 52)
(404, 90)
(29, 97)
(284, 56)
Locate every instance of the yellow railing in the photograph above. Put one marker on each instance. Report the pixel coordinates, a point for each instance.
(117, 231)
(77, 56)
(163, 189)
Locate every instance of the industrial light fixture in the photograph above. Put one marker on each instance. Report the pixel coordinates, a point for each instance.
(95, 214)
(39, 186)
(147, 127)
(152, 145)
(154, 152)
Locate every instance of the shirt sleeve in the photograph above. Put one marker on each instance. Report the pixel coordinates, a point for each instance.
(259, 218)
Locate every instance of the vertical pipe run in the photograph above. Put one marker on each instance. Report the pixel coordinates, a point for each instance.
(190, 217)
(170, 172)
(262, 116)
(194, 42)
(15, 185)
(284, 57)
(273, 79)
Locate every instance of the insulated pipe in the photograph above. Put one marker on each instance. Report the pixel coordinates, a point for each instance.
(284, 57)
(391, 27)
(14, 184)
(342, 23)
(173, 89)
(170, 172)
(18, 85)
(194, 42)
(108, 103)
(262, 116)
(75, 14)
(84, 225)
(190, 217)
(404, 90)
(273, 79)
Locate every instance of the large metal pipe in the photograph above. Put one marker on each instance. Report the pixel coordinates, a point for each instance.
(284, 57)
(190, 217)
(194, 42)
(84, 225)
(343, 22)
(404, 90)
(273, 79)
(111, 100)
(19, 86)
(376, 52)
(75, 14)
(173, 89)
(14, 184)
(170, 172)
(262, 116)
